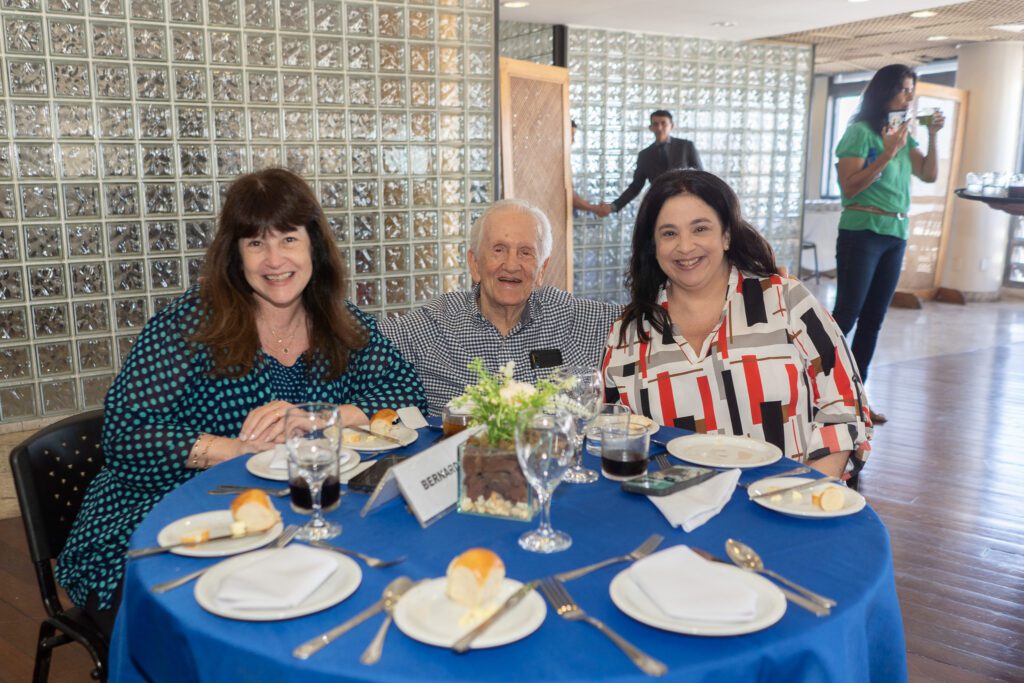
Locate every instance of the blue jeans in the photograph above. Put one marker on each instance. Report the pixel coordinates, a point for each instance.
(867, 270)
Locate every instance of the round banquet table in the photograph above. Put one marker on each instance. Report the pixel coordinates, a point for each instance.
(170, 637)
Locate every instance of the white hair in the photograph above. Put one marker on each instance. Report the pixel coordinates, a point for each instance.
(521, 206)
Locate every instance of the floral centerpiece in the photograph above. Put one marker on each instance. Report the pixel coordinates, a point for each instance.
(490, 480)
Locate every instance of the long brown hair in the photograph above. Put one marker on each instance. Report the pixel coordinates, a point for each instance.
(748, 250)
(273, 199)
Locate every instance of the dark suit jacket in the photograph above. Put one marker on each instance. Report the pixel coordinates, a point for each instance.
(650, 164)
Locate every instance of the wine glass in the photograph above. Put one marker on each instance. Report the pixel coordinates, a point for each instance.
(585, 395)
(313, 437)
(544, 446)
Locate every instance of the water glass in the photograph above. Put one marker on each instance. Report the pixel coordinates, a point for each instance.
(544, 446)
(975, 183)
(585, 397)
(313, 438)
(609, 414)
(624, 451)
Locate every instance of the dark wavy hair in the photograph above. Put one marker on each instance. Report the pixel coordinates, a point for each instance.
(273, 199)
(884, 85)
(748, 250)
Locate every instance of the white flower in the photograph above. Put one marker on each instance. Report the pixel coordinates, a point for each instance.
(507, 370)
(516, 392)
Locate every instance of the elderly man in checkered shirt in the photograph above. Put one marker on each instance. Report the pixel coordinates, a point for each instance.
(507, 316)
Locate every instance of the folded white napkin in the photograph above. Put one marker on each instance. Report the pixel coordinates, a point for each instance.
(279, 461)
(282, 579)
(691, 507)
(686, 586)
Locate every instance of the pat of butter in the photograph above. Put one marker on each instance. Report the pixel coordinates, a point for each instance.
(238, 529)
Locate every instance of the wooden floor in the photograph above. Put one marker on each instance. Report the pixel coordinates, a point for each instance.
(946, 474)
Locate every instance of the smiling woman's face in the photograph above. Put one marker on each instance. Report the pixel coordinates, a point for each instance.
(507, 262)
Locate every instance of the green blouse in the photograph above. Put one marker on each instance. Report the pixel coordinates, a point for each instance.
(161, 401)
(889, 192)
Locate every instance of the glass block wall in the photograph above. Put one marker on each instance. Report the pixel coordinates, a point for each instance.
(122, 122)
(744, 105)
(525, 41)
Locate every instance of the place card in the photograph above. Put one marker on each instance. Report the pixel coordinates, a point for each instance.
(429, 480)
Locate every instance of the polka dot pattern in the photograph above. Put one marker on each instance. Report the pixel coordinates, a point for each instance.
(161, 401)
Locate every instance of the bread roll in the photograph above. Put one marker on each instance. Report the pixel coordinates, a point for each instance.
(474, 577)
(829, 500)
(383, 421)
(254, 509)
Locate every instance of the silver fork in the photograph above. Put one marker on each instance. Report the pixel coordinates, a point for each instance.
(281, 541)
(567, 608)
(662, 460)
(643, 550)
(228, 489)
(370, 561)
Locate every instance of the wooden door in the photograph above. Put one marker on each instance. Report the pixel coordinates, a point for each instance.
(535, 139)
(931, 204)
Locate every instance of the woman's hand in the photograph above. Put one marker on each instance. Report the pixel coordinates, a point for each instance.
(895, 139)
(938, 121)
(264, 426)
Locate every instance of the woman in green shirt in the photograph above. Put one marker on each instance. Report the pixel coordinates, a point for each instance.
(876, 157)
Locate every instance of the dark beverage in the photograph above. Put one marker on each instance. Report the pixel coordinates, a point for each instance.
(302, 498)
(623, 464)
(451, 428)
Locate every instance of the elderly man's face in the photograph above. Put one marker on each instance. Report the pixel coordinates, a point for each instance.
(508, 264)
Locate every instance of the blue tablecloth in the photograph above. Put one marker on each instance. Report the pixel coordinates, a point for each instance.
(170, 638)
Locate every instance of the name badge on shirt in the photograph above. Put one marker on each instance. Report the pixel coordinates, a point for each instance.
(545, 358)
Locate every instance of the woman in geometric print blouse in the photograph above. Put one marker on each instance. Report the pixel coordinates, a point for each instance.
(715, 341)
(211, 375)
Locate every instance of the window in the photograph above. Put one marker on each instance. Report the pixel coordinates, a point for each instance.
(841, 109)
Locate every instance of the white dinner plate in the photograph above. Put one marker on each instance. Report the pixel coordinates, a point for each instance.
(338, 586)
(788, 504)
(259, 464)
(630, 598)
(217, 521)
(362, 441)
(594, 428)
(426, 614)
(723, 450)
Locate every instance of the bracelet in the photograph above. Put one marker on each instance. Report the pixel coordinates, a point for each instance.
(206, 449)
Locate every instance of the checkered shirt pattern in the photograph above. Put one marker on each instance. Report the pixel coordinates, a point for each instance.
(443, 336)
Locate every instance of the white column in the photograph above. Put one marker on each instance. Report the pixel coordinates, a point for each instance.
(993, 74)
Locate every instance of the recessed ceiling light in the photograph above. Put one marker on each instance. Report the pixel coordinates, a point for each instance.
(515, 5)
(1015, 28)
(923, 14)
(725, 24)
(937, 38)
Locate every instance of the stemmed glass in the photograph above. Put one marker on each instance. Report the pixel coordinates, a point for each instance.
(544, 446)
(585, 395)
(313, 437)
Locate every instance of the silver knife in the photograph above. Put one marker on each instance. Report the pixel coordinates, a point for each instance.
(314, 645)
(462, 644)
(157, 549)
(795, 598)
(800, 487)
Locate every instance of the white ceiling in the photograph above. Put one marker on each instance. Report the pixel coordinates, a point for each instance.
(754, 18)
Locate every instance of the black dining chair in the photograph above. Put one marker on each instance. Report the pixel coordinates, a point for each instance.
(52, 469)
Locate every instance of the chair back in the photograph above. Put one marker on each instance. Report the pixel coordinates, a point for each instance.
(52, 470)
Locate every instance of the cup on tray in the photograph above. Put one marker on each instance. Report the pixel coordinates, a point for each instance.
(624, 450)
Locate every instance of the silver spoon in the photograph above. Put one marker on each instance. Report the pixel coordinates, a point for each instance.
(746, 557)
(392, 593)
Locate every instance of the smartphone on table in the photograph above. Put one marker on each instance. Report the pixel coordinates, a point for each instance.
(367, 480)
(668, 481)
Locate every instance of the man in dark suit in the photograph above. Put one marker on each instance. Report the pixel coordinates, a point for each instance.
(666, 154)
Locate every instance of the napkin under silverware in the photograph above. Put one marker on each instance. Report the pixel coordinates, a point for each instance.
(281, 579)
(684, 585)
(692, 507)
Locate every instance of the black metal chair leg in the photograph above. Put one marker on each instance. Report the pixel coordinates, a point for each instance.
(44, 651)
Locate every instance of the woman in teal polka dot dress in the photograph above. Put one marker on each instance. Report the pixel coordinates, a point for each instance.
(211, 374)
